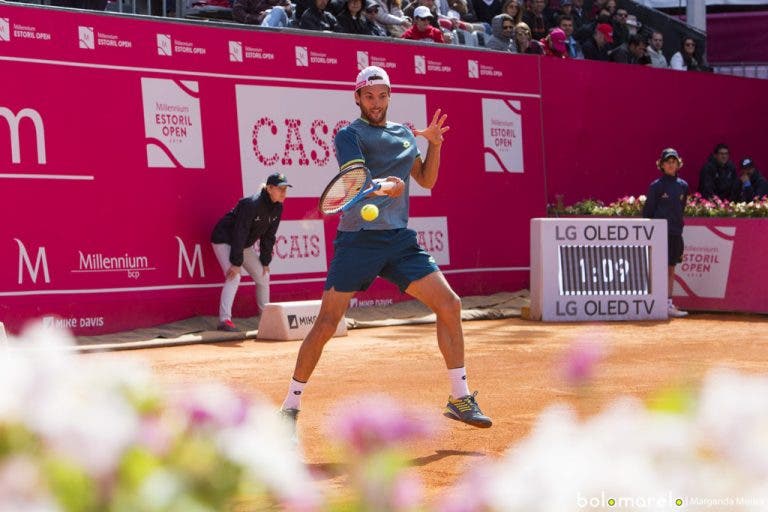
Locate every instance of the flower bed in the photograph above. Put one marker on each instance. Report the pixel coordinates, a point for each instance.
(631, 206)
(102, 434)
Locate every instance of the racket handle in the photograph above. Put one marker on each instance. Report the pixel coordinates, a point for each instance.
(383, 186)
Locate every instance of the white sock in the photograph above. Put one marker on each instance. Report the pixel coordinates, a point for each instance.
(670, 303)
(293, 398)
(459, 385)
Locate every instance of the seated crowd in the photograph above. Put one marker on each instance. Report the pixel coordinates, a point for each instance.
(720, 178)
(557, 28)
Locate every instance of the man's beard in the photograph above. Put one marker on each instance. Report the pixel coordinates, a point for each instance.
(373, 118)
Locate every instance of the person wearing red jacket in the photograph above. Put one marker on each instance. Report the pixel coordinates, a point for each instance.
(421, 28)
(554, 44)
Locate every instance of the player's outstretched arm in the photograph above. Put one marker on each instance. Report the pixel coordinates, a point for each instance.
(425, 173)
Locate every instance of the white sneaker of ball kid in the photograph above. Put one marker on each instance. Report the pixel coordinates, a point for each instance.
(673, 312)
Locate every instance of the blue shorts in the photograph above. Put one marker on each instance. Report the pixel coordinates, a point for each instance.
(360, 256)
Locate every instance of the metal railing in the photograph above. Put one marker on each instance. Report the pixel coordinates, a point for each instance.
(745, 69)
(161, 8)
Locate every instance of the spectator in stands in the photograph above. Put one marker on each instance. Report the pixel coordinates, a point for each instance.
(597, 7)
(554, 44)
(317, 18)
(467, 14)
(254, 218)
(688, 58)
(634, 25)
(536, 20)
(565, 9)
(391, 18)
(486, 10)
(514, 9)
(280, 15)
(586, 31)
(631, 52)
(502, 34)
(718, 176)
(573, 46)
(753, 184)
(356, 20)
(452, 22)
(577, 13)
(371, 13)
(525, 42)
(666, 199)
(410, 9)
(254, 12)
(610, 6)
(596, 48)
(620, 28)
(422, 29)
(336, 7)
(654, 49)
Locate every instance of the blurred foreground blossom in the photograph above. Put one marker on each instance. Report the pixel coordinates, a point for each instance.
(580, 362)
(87, 434)
(629, 457)
(374, 422)
(373, 431)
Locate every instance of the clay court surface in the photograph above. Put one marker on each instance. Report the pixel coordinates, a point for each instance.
(512, 362)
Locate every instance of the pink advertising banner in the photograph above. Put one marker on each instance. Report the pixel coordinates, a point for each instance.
(123, 141)
(720, 271)
(605, 125)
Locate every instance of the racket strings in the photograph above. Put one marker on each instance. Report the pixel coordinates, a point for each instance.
(343, 189)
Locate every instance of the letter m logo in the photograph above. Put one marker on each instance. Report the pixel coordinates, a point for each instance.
(197, 259)
(24, 261)
(13, 121)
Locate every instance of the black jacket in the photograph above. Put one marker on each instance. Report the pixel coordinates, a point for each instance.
(719, 181)
(360, 25)
(758, 187)
(666, 199)
(594, 52)
(254, 218)
(315, 19)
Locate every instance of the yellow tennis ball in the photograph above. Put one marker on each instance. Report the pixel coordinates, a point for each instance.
(369, 212)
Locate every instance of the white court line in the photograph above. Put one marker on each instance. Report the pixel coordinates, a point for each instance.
(82, 177)
(345, 84)
(218, 285)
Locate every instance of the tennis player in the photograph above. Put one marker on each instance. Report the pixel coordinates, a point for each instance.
(385, 246)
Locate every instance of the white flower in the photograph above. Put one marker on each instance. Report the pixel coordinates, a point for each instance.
(639, 458)
(263, 445)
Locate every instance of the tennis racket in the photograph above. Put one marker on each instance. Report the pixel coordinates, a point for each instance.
(349, 187)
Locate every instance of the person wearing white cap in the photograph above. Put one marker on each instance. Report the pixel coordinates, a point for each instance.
(385, 247)
(422, 28)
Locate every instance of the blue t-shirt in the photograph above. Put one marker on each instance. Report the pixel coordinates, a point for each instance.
(386, 151)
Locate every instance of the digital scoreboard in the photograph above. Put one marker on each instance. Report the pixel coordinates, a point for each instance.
(598, 269)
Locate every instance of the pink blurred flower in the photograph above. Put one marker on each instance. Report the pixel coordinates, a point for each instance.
(407, 492)
(376, 422)
(213, 405)
(155, 434)
(580, 361)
